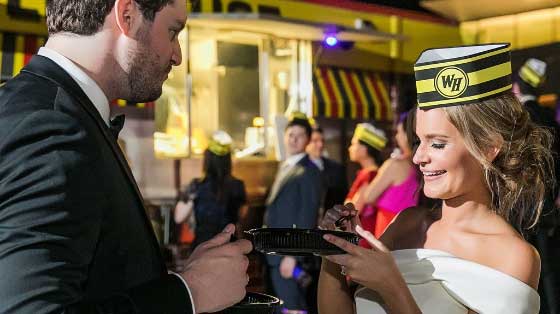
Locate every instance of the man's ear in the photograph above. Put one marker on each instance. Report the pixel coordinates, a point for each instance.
(128, 17)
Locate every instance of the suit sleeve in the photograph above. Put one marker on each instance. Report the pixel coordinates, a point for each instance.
(51, 212)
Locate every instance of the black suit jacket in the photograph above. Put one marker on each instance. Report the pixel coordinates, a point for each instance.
(297, 200)
(335, 183)
(74, 235)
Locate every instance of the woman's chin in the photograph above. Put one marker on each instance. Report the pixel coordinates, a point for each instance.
(433, 193)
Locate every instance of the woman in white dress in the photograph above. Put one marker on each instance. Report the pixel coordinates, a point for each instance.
(491, 167)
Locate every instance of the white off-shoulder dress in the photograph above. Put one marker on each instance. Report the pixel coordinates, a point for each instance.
(443, 283)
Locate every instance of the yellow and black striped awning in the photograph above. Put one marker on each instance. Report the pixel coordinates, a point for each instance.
(349, 93)
(15, 51)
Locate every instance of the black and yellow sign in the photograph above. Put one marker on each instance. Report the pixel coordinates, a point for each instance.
(462, 75)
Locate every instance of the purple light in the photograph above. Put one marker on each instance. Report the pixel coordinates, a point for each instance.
(331, 40)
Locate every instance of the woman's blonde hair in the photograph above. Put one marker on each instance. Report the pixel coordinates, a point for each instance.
(521, 174)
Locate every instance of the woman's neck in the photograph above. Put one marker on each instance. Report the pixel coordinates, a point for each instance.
(463, 210)
(368, 164)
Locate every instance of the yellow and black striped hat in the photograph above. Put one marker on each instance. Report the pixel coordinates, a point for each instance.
(370, 135)
(220, 143)
(298, 115)
(533, 72)
(462, 75)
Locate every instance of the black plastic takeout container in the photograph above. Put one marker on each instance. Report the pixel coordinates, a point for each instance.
(286, 241)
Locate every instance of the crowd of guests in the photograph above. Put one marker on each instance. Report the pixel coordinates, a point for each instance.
(306, 185)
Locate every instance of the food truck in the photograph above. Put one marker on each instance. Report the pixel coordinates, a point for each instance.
(247, 65)
(250, 63)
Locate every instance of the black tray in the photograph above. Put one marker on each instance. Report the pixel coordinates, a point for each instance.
(286, 241)
(254, 303)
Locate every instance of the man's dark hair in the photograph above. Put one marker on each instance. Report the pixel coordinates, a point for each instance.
(304, 123)
(85, 17)
(318, 130)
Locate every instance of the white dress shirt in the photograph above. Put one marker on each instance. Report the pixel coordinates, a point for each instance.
(319, 163)
(86, 83)
(287, 165)
(96, 96)
(291, 161)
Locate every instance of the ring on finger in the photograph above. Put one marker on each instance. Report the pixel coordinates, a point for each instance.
(343, 270)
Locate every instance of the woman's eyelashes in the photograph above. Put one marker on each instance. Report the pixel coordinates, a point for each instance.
(438, 145)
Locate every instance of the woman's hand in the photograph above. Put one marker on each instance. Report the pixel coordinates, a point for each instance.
(344, 217)
(372, 268)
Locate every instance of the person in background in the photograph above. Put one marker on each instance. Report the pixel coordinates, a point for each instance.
(480, 153)
(74, 234)
(334, 174)
(217, 197)
(365, 149)
(396, 185)
(531, 77)
(293, 201)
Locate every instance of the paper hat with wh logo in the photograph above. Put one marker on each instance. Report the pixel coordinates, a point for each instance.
(220, 143)
(462, 75)
(533, 72)
(370, 135)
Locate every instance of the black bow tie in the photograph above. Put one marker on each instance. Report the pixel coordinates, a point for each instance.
(116, 124)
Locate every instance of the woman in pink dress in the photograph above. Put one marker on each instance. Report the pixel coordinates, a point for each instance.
(395, 186)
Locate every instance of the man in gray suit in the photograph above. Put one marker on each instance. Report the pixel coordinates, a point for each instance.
(293, 200)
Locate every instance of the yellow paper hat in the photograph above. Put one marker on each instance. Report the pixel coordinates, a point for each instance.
(298, 115)
(462, 75)
(370, 135)
(220, 143)
(533, 72)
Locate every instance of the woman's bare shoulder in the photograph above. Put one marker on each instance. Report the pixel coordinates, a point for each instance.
(512, 255)
(396, 163)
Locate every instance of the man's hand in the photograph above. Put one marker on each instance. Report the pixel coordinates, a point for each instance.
(287, 266)
(216, 272)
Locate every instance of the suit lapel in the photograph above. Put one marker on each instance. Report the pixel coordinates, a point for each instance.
(49, 70)
(287, 176)
(72, 87)
(295, 170)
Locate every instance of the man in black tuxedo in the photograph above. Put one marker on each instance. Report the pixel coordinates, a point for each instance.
(335, 183)
(74, 236)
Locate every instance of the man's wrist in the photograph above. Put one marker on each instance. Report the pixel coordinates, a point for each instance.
(189, 291)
